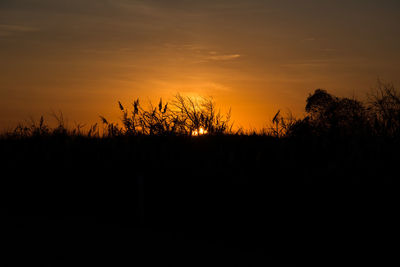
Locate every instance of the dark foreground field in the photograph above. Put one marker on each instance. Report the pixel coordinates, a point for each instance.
(208, 200)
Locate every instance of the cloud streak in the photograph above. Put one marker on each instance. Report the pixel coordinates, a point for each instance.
(6, 29)
(223, 57)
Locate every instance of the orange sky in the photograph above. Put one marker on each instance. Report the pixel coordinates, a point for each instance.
(256, 57)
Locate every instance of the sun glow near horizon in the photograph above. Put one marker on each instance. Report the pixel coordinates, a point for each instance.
(199, 132)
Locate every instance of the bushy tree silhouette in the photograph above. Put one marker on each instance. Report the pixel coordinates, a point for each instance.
(329, 114)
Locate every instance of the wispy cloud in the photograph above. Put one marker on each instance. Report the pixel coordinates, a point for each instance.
(223, 57)
(214, 56)
(201, 53)
(317, 63)
(309, 39)
(6, 29)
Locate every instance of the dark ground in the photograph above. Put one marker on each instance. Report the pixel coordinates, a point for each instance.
(223, 200)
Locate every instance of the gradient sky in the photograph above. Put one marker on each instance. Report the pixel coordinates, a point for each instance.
(82, 56)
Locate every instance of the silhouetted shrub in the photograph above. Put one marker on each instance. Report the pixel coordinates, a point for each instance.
(186, 117)
(193, 115)
(281, 125)
(384, 108)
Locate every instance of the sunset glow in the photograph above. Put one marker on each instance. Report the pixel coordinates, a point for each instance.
(255, 57)
(171, 132)
(200, 131)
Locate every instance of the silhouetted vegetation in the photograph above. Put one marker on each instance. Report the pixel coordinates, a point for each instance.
(326, 116)
(185, 117)
(278, 191)
(333, 117)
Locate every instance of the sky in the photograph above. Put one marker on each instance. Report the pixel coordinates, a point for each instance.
(81, 57)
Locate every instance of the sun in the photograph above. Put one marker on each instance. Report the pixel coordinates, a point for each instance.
(200, 131)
